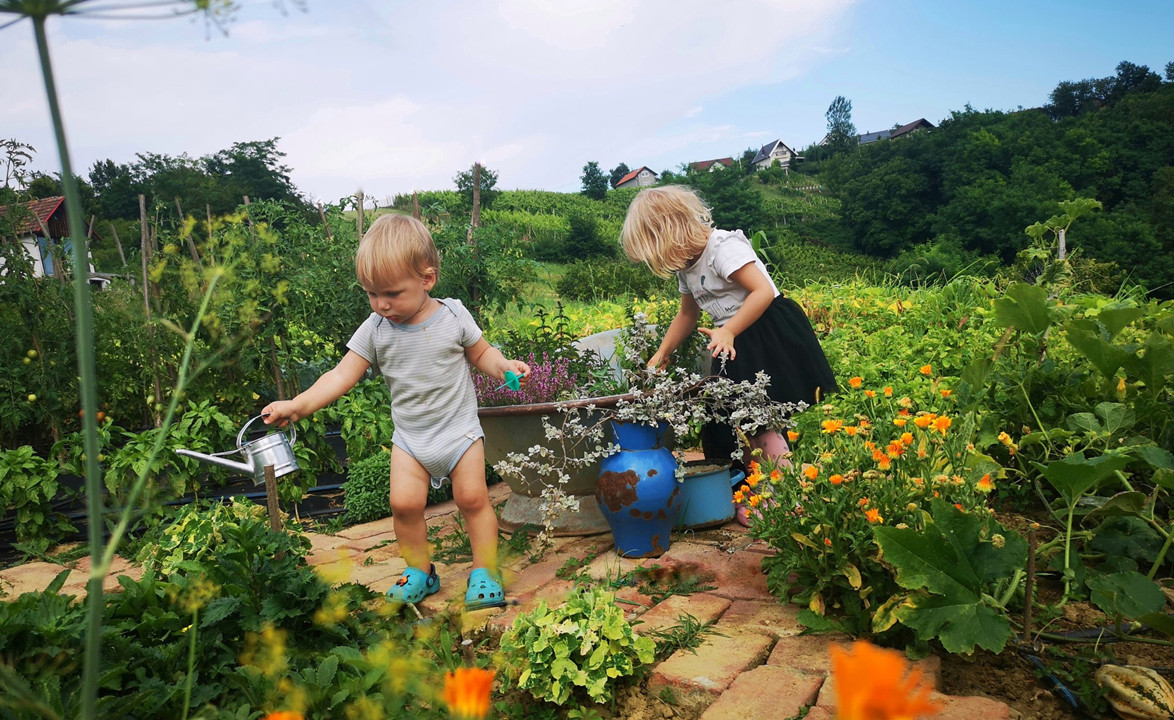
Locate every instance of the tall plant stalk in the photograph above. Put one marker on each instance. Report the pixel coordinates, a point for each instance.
(88, 372)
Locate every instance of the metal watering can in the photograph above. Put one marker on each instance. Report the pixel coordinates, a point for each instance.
(272, 449)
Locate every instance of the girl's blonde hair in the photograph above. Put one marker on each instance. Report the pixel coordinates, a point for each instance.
(395, 246)
(666, 227)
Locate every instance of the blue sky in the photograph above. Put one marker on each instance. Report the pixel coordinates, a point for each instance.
(393, 96)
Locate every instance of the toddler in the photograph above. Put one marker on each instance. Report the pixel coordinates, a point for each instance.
(422, 346)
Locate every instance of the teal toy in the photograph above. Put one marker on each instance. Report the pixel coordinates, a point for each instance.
(512, 381)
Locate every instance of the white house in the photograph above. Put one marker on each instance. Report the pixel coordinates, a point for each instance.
(711, 165)
(774, 152)
(37, 226)
(638, 178)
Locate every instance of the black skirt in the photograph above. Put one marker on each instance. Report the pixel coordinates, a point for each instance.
(782, 344)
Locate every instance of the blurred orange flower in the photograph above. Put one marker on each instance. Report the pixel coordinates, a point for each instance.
(873, 516)
(850, 430)
(836, 479)
(946, 393)
(923, 421)
(827, 541)
(870, 394)
(466, 692)
(888, 391)
(900, 421)
(792, 436)
(940, 424)
(927, 370)
(284, 715)
(856, 382)
(907, 438)
(831, 427)
(985, 485)
(876, 684)
(754, 500)
(811, 472)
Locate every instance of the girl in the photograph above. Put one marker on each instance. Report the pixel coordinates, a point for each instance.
(754, 326)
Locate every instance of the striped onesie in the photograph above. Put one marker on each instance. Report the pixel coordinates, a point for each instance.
(433, 404)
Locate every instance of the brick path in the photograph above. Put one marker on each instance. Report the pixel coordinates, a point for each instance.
(759, 666)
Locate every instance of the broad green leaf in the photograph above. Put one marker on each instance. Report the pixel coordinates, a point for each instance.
(1156, 364)
(1124, 503)
(1126, 594)
(959, 625)
(853, 576)
(1116, 319)
(1117, 417)
(1159, 621)
(1158, 458)
(1085, 421)
(1025, 308)
(1075, 475)
(1105, 356)
(327, 671)
(1126, 536)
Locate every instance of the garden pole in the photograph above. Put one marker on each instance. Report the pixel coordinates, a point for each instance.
(88, 373)
(1029, 585)
(271, 499)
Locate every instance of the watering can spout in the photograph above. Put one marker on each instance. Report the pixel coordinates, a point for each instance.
(243, 468)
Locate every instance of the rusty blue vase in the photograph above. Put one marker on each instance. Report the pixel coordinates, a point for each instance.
(638, 491)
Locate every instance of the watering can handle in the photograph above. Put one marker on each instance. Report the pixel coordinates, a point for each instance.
(241, 435)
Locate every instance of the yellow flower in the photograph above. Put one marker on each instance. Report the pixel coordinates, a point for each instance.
(1005, 438)
(874, 516)
(831, 427)
(888, 391)
(792, 436)
(926, 370)
(876, 684)
(754, 500)
(923, 421)
(985, 485)
(739, 496)
(900, 421)
(811, 472)
(466, 692)
(856, 382)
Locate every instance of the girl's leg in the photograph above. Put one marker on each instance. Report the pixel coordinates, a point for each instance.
(472, 497)
(409, 495)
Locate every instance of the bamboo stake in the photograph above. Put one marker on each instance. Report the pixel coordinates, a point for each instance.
(118, 244)
(359, 217)
(145, 251)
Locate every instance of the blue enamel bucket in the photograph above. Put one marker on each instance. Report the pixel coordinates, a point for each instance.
(707, 494)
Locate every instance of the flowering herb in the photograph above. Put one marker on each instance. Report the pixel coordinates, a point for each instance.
(549, 380)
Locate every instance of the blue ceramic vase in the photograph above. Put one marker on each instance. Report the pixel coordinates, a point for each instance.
(638, 491)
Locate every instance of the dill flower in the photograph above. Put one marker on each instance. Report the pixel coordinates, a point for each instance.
(466, 692)
(876, 684)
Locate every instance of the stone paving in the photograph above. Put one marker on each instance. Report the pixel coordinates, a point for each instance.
(756, 665)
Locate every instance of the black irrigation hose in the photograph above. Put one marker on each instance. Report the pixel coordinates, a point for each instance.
(1055, 685)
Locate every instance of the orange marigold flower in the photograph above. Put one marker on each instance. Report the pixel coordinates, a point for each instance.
(850, 430)
(864, 423)
(811, 472)
(888, 391)
(927, 369)
(754, 500)
(985, 485)
(862, 501)
(775, 475)
(918, 481)
(792, 436)
(940, 424)
(894, 449)
(870, 394)
(900, 421)
(284, 715)
(907, 438)
(832, 426)
(959, 506)
(466, 692)
(946, 393)
(873, 516)
(923, 421)
(827, 541)
(877, 684)
(753, 479)
(856, 382)
(836, 479)
(753, 465)
(904, 412)
(869, 445)
(739, 496)
(877, 455)
(921, 453)
(885, 462)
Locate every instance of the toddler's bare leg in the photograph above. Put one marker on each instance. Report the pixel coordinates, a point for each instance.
(409, 495)
(472, 498)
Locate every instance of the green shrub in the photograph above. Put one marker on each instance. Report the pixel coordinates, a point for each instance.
(593, 280)
(365, 492)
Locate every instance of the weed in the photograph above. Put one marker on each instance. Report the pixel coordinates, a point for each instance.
(456, 547)
(667, 696)
(687, 634)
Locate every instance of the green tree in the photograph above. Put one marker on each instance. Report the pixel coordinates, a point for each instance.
(116, 190)
(841, 132)
(254, 169)
(464, 183)
(594, 181)
(16, 156)
(619, 171)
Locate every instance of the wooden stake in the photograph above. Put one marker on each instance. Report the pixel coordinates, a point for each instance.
(249, 217)
(415, 205)
(118, 244)
(1029, 586)
(271, 499)
(322, 214)
(188, 236)
(359, 217)
(211, 239)
(145, 252)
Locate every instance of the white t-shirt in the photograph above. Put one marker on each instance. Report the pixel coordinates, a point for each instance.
(708, 279)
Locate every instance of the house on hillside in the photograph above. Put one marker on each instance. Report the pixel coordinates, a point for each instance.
(711, 165)
(774, 152)
(918, 124)
(638, 178)
(868, 138)
(41, 229)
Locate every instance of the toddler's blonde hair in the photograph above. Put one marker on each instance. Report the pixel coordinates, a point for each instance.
(665, 228)
(395, 246)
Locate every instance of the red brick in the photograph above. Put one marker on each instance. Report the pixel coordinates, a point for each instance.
(736, 575)
(703, 606)
(769, 616)
(34, 577)
(765, 693)
(805, 652)
(970, 708)
(370, 541)
(378, 527)
(715, 665)
(818, 713)
(320, 543)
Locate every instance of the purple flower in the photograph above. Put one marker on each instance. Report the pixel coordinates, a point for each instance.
(549, 381)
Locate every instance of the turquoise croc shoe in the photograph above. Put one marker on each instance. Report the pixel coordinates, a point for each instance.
(484, 591)
(414, 585)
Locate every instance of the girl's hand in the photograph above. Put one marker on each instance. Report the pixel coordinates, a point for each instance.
(721, 341)
(659, 361)
(279, 411)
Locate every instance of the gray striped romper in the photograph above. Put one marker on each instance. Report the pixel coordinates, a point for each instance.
(433, 404)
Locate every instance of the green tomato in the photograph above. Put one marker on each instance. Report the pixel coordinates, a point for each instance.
(27, 361)
(32, 398)
(32, 354)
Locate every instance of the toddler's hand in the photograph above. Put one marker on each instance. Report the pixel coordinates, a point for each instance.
(720, 341)
(519, 368)
(279, 411)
